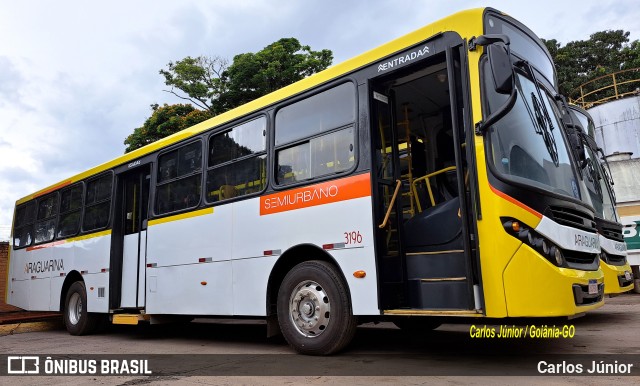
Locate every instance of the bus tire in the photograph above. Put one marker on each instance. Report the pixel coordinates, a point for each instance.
(76, 318)
(314, 309)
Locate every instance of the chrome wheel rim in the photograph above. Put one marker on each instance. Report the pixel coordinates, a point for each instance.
(309, 309)
(75, 308)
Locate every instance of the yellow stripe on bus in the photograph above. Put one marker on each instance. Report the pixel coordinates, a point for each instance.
(181, 216)
(90, 236)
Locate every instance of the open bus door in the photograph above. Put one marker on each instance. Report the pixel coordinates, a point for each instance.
(129, 239)
(425, 254)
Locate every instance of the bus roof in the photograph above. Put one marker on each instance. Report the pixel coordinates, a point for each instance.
(467, 23)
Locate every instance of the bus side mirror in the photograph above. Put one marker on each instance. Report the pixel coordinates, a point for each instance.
(575, 141)
(501, 68)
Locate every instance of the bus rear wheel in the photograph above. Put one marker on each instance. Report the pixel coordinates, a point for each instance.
(314, 309)
(76, 318)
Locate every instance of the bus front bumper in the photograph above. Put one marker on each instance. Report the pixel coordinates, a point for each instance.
(536, 288)
(617, 278)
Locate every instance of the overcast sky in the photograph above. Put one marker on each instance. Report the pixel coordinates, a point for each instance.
(76, 77)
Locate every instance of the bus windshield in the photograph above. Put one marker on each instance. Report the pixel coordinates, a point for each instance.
(595, 172)
(527, 145)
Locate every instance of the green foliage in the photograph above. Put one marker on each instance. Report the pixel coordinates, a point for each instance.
(214, 85)
(603, 53)
(201, 79)
(279, 64)
(164, 121)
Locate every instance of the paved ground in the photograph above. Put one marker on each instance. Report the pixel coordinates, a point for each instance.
(379, 354)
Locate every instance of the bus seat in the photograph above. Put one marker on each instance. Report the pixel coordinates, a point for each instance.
(436, 228)
(227, 192)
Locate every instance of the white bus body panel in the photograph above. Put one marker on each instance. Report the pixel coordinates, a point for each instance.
(234, 239)
(176, 248)
(41, 291)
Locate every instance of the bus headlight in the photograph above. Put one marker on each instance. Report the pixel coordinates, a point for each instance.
(545, 247)
(536, 241)
(557, 255)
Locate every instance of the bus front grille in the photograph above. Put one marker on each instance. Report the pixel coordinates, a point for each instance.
(572, 218)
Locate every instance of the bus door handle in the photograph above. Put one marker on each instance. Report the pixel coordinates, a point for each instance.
(391, 204)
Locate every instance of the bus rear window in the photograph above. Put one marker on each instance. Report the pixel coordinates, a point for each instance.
(23, 224)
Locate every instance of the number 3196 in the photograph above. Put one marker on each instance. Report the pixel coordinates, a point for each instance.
(353, 237)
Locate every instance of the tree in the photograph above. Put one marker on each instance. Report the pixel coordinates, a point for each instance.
(200, 79)
(214, 85)
(277, 65)
(164, 121)
(603, 53)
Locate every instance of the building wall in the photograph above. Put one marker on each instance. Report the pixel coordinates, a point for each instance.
(626, 185)
(4, 262)
(618, 126)
(617, 132)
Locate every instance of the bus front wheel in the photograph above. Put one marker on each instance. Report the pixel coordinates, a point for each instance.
(314, 309)
(76, 318)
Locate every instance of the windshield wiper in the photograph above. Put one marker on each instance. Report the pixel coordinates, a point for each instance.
(594, 177)
(541, 119)
(607, 174)
(544, 127)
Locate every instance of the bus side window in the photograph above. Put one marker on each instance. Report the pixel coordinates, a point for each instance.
(315, 136)
(179, 178)
(237, 160)
(46, 218)
(70, 207)
(97, 203)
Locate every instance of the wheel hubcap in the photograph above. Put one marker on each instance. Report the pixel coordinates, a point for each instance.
(309, 309)
(75, 308)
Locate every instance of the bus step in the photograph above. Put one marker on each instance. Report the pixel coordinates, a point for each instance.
(448, 293)
(131, 319)
(434, 265)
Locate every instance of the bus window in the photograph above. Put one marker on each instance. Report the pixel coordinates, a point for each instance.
(25, 217)
(321, 154)
(179, 178)
(47, 211)
(97, 203)
(237, 161)
(327, 154)
(322, 112)
(70, 206)
(332, 153)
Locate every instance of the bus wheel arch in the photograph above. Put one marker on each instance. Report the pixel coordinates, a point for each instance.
(289, 259)
(77, 320)
(313, 303)
(71, 278)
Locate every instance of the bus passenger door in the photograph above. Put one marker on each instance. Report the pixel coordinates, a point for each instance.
(420, 164)
(130, 229)
(388, 207)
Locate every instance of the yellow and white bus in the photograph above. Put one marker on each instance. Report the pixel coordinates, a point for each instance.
(426, 179)
(613, 257)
